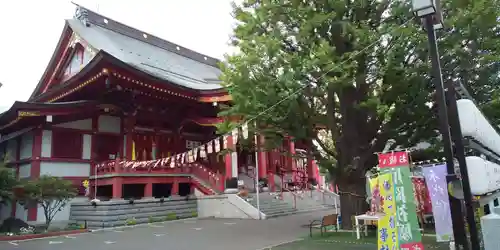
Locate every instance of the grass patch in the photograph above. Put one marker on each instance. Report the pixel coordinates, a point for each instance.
(131, 222)
(171, 216)
(348, 241)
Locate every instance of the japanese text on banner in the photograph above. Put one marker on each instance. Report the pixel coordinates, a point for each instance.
(398, 165)
(393, 159)
(387, 229)
(435, 178)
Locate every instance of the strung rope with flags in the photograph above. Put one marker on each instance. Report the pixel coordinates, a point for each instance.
(190, 156)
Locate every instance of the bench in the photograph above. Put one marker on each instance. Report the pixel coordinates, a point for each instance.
(326, 221)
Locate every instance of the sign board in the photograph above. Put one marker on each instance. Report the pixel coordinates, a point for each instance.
(397, 164)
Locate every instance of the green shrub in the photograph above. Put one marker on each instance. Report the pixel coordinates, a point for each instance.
(131, 222)
(194, 214)
(151, 219)
(171, 216)
(75, 226)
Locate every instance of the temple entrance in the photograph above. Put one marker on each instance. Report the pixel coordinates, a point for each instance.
(161, 190)
(133, 191)
(184, 188)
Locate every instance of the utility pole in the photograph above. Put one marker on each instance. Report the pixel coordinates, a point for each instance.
(456, 134)
(430, 13)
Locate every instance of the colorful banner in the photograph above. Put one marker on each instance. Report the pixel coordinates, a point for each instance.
(435, 177)
(387, 230)
(422, 197)
(397, 163)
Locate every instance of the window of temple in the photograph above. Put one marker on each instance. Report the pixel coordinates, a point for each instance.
(67, 144)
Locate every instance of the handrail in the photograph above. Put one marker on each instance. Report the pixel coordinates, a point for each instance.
(293, 194)
(197, 169)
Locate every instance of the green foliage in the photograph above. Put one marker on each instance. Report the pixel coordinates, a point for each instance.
(131, 222)
(51, 193)
(194, 214)
(357, 69)
(151, 219)
(171, 216)
(75, 226)
(7, 182)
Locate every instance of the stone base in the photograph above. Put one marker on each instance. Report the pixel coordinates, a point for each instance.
(231, 191)
(265, 189)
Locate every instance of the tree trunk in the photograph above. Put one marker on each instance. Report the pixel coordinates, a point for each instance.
(352, 201)
(48, 220)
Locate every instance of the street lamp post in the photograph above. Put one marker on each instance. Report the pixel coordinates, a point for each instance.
(430, 13)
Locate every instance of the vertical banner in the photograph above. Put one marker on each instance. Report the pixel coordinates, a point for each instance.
(435, 177)
(387, 230)
(397, 163)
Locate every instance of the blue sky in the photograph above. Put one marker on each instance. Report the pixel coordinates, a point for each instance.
(31, 29)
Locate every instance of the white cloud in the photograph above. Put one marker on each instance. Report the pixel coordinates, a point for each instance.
(31, 29)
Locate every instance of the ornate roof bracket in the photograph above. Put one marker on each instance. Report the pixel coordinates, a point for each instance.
(82, 15)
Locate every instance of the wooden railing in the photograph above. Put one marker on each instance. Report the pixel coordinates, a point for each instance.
(195, 169)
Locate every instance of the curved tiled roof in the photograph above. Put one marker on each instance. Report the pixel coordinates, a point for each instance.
(148, 53)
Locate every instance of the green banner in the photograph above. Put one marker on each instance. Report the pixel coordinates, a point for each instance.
(406, 209)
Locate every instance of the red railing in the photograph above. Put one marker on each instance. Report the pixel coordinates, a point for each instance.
(196, 169)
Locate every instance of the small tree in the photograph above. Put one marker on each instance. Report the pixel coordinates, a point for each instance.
(52, 193)
(7, 183)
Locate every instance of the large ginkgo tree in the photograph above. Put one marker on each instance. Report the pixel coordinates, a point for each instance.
(350, 75)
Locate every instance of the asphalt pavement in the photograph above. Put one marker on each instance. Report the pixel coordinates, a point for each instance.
(206, 234)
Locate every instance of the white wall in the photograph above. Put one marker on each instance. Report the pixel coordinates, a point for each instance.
(61, 216)
(87, 144)
(85, 124)
(47, 143)
(61, 169)
(26, 146)
(24, 170)
(21, 212)
(110, 124)
(225, 206)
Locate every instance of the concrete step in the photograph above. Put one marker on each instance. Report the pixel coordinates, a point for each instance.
(273, 207)
(278, 213)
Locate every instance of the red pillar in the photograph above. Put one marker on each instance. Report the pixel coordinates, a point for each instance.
(93, 153)
(35, 166)
(290, 159)
(191, 187)
(261, 157)
(148, 189)
(175, 187)
(228, 159)
(129, 135)
(310, 162)
(117, 187)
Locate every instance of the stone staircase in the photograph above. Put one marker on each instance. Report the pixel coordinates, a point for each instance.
(271, 206)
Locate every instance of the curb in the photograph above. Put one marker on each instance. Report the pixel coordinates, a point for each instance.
(141, 225)
(27, 237)
(86, 231)
(279, 244)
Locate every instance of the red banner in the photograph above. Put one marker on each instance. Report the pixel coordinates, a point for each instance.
(412, 246)
(394, 159)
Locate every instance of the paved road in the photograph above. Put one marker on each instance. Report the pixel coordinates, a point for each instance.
(206, 234)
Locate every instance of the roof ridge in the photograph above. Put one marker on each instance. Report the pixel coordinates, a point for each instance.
(91, 17)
